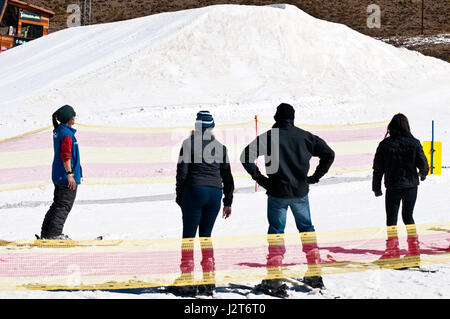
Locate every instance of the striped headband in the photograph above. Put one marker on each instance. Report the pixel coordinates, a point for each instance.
(204, 120)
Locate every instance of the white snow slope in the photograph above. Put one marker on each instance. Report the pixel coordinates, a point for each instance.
(241, 57)
(237, 61)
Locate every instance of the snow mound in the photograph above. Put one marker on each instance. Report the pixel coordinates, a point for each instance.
(216, 54)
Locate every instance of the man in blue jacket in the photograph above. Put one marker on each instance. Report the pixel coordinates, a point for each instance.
(66, 173)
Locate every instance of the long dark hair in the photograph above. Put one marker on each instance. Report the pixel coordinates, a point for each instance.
(54, 120)
(399, 126)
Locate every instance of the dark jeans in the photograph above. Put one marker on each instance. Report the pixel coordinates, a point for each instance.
(200, 207)
(57, 214)
(407, 197)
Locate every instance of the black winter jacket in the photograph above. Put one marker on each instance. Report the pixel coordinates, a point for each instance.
(287, 166)
(206, 166)
(398, 158)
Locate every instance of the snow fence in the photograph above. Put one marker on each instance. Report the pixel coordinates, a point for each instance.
(132, 264)
(148, 155)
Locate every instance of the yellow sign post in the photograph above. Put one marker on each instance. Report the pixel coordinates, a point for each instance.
(434, 161)
(433, 152)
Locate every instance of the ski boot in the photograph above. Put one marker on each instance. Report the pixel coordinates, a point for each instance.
(312, 277)
(208, 288)
(58, 237)
(183, 291)
(315, 282)
(184, 286)
(273, 287)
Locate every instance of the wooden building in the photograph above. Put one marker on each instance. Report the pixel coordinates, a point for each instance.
(21, 22)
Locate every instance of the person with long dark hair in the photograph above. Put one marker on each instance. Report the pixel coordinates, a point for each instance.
(203, 178)
(66, 173)
(401, 160)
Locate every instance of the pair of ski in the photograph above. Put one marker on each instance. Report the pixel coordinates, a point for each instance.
(56, 243)
(65, 243)
(282, 291)
(39, 238)
(381, 265)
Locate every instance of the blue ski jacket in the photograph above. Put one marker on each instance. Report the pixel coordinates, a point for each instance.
(59, 176)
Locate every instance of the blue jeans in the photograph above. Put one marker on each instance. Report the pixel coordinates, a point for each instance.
(277, 211)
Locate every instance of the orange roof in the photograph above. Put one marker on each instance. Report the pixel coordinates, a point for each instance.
(29, 6)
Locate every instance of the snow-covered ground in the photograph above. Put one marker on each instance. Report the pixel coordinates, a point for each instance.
(237, 61)
(419, 40)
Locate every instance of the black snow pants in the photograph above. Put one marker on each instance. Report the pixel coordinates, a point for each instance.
(394, 197)
(56, 216)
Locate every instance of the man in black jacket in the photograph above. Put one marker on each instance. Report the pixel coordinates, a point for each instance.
(288, 151)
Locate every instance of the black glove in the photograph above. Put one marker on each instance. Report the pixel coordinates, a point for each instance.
(378, 193)
(423, 177)
(312, 179)
(263, 181)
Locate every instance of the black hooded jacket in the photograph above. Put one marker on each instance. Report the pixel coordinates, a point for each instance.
(204, 161)
(287, 166)
(399, 158)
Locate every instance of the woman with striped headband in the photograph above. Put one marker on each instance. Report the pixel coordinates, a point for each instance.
(203, 178)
